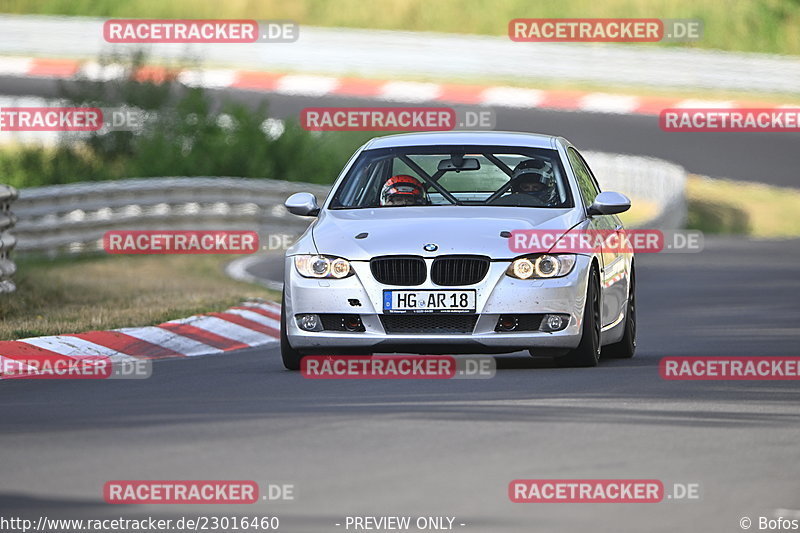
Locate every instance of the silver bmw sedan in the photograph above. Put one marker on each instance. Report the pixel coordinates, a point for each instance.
(461, 242)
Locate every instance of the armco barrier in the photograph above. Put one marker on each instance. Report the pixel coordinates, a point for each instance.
(7, 241)
(74, 217)
(658, 182)
(431, 55)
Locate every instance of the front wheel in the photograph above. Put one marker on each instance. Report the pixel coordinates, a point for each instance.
(588, 351)
(291, 357)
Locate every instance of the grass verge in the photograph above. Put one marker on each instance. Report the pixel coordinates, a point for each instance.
(742, 208)
(639, 212)
(72, 295)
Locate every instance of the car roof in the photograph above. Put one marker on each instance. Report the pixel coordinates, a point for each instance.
(492, 138)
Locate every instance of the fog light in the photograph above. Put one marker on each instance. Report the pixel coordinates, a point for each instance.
(309, 322)
(554, 323)
(507, 323)
(353, 323)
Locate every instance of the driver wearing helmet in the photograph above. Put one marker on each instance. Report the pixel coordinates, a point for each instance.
(402, 190)
(530, 181)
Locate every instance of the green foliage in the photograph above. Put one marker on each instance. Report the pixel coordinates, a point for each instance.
(185, 134)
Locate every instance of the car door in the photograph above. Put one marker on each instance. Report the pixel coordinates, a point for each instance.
(612, 267)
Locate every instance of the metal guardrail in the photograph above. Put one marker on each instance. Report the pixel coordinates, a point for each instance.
(658, 182)
(74, 217)
(7, 241)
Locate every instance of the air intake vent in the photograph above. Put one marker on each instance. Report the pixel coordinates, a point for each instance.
(431, 324)
(455, 270)
(405, 270)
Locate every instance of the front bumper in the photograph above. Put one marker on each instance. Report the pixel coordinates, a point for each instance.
(497, 294)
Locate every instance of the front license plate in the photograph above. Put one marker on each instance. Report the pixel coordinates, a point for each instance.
(429, 301)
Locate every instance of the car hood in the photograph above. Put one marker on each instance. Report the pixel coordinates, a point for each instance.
(454, 229)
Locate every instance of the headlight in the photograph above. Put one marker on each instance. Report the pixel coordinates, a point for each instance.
(541, 266)
(322, 266)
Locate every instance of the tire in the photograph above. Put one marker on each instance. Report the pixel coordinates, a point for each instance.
(588, 351)
(291, 357)
(626, 347)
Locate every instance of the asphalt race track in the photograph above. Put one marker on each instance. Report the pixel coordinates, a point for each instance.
(450, 448)
(434, 447)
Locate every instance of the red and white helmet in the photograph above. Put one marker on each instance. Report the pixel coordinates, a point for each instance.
(402, 190)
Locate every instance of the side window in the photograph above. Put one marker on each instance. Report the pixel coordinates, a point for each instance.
(588, 168)
(586, 183)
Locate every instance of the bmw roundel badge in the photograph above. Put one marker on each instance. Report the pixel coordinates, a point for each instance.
(430, 247)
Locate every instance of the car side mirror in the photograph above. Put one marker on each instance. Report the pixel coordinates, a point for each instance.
(303, 204)
(609, 203)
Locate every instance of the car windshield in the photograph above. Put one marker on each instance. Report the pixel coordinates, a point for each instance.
(455, 175)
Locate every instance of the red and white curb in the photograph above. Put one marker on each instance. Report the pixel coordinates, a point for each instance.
(385, 90)
(248, 325)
